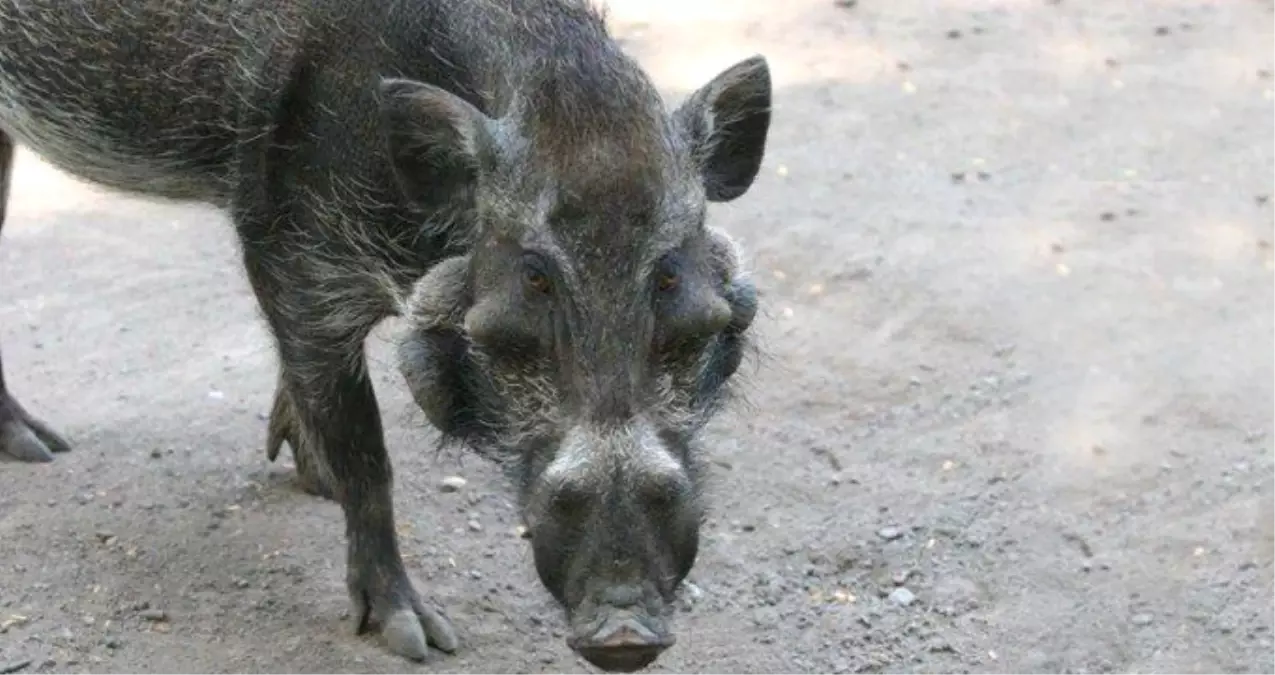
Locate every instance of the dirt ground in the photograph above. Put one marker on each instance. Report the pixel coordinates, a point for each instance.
(1014, 414)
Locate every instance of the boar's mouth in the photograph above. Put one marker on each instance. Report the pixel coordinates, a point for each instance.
(619, 639)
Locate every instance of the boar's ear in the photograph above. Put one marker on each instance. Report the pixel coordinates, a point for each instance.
(727, 121)
(438, 142)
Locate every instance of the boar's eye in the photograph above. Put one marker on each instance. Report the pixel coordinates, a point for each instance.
(689, 310)
(667, 278)
(666, 281)
(535, 274)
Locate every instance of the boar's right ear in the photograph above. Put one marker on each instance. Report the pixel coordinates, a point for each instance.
(438, 142)
(727, 121)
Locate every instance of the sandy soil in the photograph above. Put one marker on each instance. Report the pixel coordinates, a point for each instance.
(1015, 412)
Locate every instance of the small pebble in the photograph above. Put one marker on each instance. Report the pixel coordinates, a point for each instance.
(156, 454)
(475, 574)
(954, 34)
(1141, 619)
(452, 484)
(845, 4)
(902, 597)
(1107, 216)
(475, 526)
(154, 614)
(1161, 30)
(890, 533)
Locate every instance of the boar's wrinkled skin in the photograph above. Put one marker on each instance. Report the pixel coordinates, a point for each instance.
(502, 176)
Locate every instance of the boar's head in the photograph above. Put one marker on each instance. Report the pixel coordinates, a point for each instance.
(592, 327)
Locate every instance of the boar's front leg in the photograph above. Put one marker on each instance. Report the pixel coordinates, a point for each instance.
(326, 408)
(22, 436)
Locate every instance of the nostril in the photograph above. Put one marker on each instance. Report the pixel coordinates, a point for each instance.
(625, 595)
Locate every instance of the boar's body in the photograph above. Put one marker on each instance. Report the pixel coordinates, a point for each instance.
(500, 174)
(245, 104)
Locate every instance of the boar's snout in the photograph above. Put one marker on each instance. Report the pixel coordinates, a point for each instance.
(620, 639)
(614, 525)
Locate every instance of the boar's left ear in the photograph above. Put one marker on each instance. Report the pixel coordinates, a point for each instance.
(438, 142)
(727, 121)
